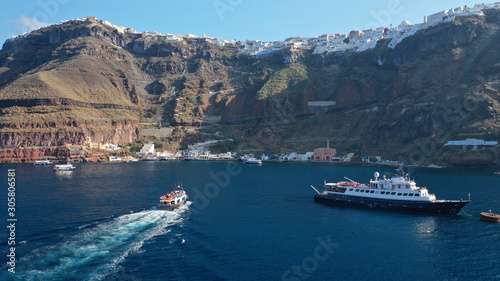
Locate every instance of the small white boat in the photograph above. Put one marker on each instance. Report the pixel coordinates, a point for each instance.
(253, 161)
(115, 159)
(434, 166)
(172, 200)
(151, 159)
(64, 167)
(43, 162)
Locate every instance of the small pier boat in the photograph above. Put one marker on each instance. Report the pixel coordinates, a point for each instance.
(43, 162)
(253, 161)
(115, 159)
(64, 167)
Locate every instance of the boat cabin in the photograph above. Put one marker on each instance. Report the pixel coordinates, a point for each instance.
(398, 186)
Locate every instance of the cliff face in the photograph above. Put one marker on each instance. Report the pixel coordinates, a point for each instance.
(31, 155)
(59, 134)
(66, 82)
(63, 84)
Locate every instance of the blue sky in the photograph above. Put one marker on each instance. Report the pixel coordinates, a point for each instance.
(269, 20)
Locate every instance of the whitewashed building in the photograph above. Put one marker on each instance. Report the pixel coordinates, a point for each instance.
(148, 148)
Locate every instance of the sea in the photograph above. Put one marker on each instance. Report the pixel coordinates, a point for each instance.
(241, 222)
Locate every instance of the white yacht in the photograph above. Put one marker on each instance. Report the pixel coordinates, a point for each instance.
(396, 192)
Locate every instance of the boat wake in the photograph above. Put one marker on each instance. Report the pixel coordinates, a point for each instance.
(94, 253)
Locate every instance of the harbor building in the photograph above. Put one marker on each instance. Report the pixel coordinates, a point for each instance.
(148, 148)
(324, 154)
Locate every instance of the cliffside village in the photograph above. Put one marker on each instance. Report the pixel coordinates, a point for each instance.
(356, 40)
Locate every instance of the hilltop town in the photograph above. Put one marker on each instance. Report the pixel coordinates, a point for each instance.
(356, 40)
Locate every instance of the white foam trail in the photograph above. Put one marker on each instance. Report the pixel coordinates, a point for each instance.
(95, 253)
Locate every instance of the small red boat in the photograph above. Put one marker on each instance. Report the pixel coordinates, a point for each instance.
(489, 217)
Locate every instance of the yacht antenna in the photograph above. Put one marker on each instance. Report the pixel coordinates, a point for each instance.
(355, 182)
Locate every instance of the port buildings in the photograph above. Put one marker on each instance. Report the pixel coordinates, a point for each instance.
(324, 154)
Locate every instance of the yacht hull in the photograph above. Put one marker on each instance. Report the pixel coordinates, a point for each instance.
(444, 207)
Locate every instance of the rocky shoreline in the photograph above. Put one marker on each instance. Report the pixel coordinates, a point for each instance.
(55, 154)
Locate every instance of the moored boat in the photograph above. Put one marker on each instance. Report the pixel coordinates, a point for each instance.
(397, 192)
(173, 199)
(64, 167)
(253, 161)
(151, 159)
(43, 162)
(489, 217)
(115, 159)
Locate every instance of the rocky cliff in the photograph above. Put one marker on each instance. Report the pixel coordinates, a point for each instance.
(63, 83)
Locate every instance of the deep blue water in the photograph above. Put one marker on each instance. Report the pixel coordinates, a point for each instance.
(243, 222)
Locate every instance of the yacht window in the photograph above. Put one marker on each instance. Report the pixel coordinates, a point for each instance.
(405, 194)
(399, 194)
(382, 192)
(373, 191)
(411, 194)
(350, 189)
(357, 190)
(392, 193)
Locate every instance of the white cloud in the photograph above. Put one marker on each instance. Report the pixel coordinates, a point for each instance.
(27, 24)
